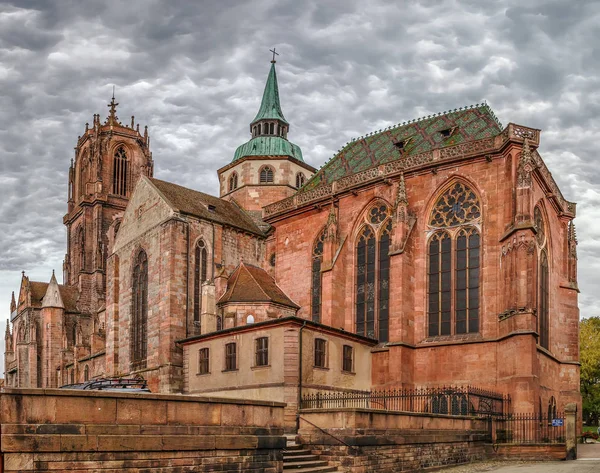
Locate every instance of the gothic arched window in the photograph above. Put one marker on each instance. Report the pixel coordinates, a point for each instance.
(543, 322)
(373, 275)
(300, 180)
(120, 170)
(454, 263)
(317, 261)
(233, 181)
(86, 373)
(266, 175)
(200, 275)
(81, 243)
(139, 315)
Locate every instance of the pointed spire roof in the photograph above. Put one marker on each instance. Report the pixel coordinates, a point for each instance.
(270, 107)
(13, 304)
(52, 297)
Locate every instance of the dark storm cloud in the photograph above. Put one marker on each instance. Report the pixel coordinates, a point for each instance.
(194, 73)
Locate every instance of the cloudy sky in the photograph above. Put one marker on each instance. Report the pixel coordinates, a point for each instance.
(194, 72)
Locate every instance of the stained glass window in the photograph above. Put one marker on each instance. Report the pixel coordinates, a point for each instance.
(139, 319)
(454, 263)
(373, 274)
(457, 206)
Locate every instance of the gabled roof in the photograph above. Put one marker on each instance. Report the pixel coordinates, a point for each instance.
(270, 107)
(205, 206)
(407, 139)
(250, 283)
(68, 294)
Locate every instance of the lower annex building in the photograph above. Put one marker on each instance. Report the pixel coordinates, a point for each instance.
(436, 252)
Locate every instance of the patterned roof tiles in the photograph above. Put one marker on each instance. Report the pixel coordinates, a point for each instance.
(409, 138)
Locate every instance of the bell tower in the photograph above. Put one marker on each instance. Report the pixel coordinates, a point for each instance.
(109, 159)
(267, 168)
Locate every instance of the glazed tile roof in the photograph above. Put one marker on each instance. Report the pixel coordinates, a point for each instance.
(69, 295)
(205, 206)
(250, 283)
(418, 136)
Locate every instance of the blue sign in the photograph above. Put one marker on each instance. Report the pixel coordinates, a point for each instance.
(557, 422)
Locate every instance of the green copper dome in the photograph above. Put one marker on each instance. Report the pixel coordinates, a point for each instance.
(268, 146)
(270, 109)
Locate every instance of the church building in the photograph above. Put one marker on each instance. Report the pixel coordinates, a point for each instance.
(438, 251)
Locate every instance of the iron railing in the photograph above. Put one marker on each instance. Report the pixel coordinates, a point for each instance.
(465, 401)
(530, 429)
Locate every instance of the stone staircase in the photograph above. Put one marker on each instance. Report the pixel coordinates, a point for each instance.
(296, 459)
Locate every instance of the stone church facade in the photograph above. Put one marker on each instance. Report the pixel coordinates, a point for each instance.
(436, 252)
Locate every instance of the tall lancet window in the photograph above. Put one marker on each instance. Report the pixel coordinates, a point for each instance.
(139, 312)
(454, 262)
(120, 172)
(544, 293)
(200, 264)
(317, 261)
(373, 275)
(81, 245)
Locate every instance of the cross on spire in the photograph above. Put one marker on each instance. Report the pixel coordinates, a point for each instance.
(274, 53)
(112, 117)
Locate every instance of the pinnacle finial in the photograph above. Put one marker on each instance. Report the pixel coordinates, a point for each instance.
(112, 116)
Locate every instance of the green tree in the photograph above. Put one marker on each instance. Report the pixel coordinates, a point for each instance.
(589, 356)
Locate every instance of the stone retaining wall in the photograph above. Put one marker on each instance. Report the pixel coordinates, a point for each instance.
(65, 430)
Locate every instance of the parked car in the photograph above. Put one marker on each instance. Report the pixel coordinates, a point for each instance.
(130, 385)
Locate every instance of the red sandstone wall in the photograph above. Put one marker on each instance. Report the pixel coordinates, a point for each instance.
(59, 430)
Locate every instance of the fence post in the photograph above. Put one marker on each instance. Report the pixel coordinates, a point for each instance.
(571, 430)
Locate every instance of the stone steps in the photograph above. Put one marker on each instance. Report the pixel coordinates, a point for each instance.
(297, 459)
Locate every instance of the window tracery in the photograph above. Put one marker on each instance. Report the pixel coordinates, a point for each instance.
(120, 172)
(266, 175)
(538, 220)
(453, 275)
(457, 206)
(372, 274)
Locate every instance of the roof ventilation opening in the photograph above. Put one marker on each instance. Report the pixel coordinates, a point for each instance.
(211, 208)
(447, 132)
(400, 144)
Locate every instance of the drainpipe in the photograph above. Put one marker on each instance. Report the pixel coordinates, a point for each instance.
(299, 376)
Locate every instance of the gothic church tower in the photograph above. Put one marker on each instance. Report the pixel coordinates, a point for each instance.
(109, 159)
(267, 168)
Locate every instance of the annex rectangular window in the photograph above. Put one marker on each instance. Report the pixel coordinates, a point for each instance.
(320, 353)
(203, 361)
(230, 357)
(348, 358)
(262, 352)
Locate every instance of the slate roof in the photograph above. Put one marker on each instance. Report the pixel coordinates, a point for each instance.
(419, 136)
(69, 295)
(205, 206)
(250, 283)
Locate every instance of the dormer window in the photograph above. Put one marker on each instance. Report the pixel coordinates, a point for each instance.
(211, 208)
(266, 175)
(400, 144)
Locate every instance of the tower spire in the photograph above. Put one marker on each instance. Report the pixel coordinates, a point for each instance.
(270, 108)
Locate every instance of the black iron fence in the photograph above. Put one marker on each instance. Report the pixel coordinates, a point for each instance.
(465, 401)
(530, 429)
